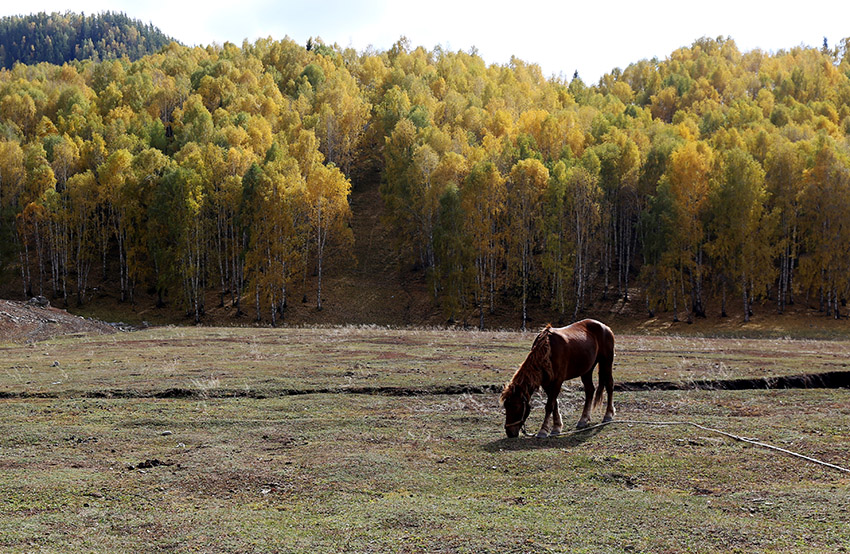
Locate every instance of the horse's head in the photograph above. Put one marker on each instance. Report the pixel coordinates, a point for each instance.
(516, 396)
(517, 408)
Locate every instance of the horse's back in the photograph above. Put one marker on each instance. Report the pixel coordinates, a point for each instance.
(593, 329)
(576, 348)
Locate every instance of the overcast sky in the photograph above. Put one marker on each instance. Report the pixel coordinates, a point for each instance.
(592, 37)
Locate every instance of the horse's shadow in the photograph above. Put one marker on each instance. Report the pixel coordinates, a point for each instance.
(532, 443)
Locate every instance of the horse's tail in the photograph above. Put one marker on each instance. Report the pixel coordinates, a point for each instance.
(605, 359)
(597, 398)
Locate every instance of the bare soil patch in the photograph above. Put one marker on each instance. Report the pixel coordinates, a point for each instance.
(28, 322)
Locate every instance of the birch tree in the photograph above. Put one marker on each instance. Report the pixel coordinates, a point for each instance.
(327, 193)
(525, 187)
(482, 200)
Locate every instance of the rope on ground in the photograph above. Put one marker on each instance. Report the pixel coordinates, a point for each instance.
(710, 430)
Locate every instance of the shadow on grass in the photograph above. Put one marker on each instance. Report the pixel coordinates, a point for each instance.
(533, 443)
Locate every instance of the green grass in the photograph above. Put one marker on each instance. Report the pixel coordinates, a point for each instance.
(428, 473)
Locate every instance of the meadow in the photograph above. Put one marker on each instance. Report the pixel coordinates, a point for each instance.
(369, 439)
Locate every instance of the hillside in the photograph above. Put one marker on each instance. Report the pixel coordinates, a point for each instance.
(59, 38)
(419, 186)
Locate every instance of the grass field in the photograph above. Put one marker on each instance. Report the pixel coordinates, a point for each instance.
(259, 440)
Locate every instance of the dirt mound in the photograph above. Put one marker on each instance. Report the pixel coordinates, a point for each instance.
(34, 321)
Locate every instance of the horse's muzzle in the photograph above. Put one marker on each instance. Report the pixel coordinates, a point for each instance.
(512, 431)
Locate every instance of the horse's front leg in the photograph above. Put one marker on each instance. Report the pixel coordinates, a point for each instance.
(558, 425)
(552, 412)
(546, 427)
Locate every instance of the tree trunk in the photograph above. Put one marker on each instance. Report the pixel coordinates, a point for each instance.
(782, 297)
(282, 308)
(836, 306)
(524, 285)
(273, 308)
(675, 305)
(39, 250)
(25, 262)
(259, 315)
(792, 255)
(321, 238)
(696, 284)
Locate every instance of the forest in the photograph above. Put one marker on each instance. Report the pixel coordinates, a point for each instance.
(714, 176)
(58, 38)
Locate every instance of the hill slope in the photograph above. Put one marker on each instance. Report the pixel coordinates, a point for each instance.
(377, 289)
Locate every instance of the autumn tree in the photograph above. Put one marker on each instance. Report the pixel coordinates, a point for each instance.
(525, 187)
(688, 174)
(326, 195)
(174, 237)
(113, 176)
(582, 202)
(343, 117)
(12, 175)
(274, 202)
(454, 255)
(482, 200)
(619, 170)
(784, 166)
(410, 192)
(656, 229)
(134, 200)
(824, 226)
(740, 228)
(82, 190)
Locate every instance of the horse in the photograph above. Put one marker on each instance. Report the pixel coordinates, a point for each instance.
(557, 355)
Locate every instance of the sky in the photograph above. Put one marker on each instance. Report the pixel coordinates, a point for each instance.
(591, 37)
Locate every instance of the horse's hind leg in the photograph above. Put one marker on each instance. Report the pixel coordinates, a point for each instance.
(587, 381)
(606, 379)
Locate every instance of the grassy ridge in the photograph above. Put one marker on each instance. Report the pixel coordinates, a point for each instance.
(271, 360)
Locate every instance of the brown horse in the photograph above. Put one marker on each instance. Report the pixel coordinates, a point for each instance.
(556, 356)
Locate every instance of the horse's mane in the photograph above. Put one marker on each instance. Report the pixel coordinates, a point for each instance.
(530, 374)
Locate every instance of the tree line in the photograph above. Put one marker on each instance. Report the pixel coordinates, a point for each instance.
(58, 38)
(713, 177)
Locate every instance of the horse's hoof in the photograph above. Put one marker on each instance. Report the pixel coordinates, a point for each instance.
(541, 434)
(607, 419)
(582, 424)
(555, 433)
